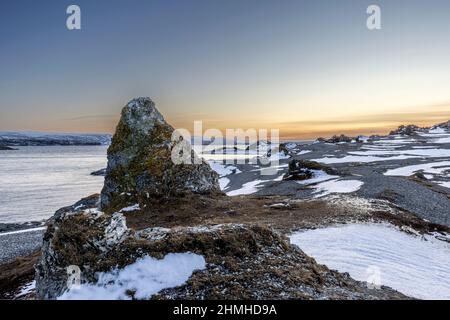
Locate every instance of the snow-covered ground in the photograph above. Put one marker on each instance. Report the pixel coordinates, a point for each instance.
(247, 188)
(337, 186)
(432, 168)
(380, 254)
(146, 277)
(325, 184)
(223, 170)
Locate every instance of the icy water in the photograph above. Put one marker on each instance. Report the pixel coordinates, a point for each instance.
(36, 181)
(381, 254)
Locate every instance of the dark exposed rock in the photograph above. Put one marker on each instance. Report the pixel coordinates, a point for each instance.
(419, 175)
(101, 172)
(76, 236)
(443, 125)
(6, 148)
(139, 161)
(300, 169)
(336, 139)
(283, 148)
(407, 130)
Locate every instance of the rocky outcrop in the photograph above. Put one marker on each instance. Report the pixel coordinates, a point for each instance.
(81, 236)
(407, 130)
(243, 261)
(336, 139)
(300, 169)
(443, 125)
(139, 161)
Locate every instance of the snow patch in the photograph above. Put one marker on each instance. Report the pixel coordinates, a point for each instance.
(247, 188)
(146, 277)
(337, 186)
(361, 159)
(318, 176)
(223, 169)
(432, 168)
(303, 152)
(27, 289)
(416, 266)
(134, 207)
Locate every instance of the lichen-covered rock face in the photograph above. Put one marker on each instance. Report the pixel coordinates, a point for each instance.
(139, 161)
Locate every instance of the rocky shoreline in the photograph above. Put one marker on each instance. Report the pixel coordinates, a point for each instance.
(236, 219)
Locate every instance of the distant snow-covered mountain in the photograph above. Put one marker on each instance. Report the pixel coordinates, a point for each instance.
(49, 139)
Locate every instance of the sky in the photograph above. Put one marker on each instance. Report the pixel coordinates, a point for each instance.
(307, 68)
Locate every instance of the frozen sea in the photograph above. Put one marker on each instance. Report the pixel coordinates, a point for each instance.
(36, 181)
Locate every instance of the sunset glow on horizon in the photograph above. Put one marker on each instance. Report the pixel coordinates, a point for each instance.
(307, 68)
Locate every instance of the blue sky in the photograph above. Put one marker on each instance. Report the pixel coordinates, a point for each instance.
(305, 67)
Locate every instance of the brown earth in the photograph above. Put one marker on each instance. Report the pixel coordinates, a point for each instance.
(15, 274)
(280, 213)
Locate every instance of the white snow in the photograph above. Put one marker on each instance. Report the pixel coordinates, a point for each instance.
(290, 145)
(146, 277)
(381, 254)
(223, 182)
(437, 130)
(395, 141)
(432, 168)
(337, 186)
(442, 140)
(444, 184)
(362, 159)
(223, 169)
(247, 188)
(26, 289)
(134, 207)
(431, 153)
(278, 156)
(23, 231)
(303, 152)
(318, 176)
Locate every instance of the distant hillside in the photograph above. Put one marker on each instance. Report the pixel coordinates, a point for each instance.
(52, 139)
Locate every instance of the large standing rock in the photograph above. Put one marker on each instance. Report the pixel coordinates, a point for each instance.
(140, 165)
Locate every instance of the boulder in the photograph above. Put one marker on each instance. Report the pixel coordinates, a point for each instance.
(303, 169)
(79, 235)
(140, 168)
